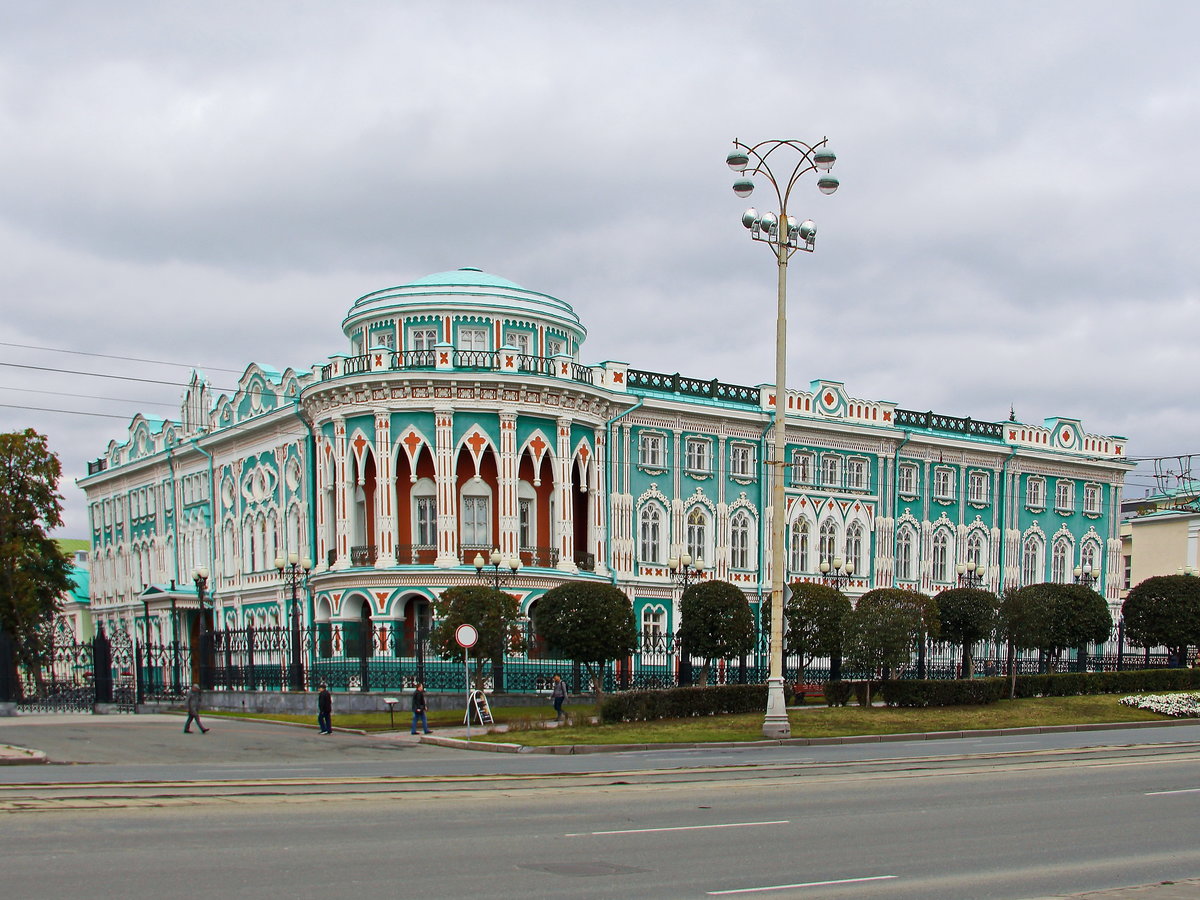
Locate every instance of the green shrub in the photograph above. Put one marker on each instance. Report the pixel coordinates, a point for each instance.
(958, 692)
(1073, 684)
(865, 691)
(837, 693)
(682, 703)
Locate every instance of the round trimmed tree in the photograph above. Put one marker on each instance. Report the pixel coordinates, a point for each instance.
(716, 623)
(815, 616)
(966, 616)
(590, 623)
(494, 614)
(1164, 611)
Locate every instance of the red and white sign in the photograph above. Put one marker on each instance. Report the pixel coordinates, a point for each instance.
(466, 636)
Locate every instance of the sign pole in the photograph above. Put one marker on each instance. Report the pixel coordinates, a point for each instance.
(466, 636)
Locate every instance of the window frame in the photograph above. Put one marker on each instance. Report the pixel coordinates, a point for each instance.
(943, 483)
(912, 490)
(742, 460)
(647, 440)
(698, 455)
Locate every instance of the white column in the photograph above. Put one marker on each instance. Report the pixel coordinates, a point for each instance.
(343, 497)
(564, 532)
(385, 491)
(506, 487)
(447, 498)
(598, 526)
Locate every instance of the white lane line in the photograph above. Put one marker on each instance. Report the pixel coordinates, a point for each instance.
(679, 828)
(1165, 793)
(806, 884)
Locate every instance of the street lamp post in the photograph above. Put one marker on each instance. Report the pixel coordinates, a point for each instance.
(295, 573)
(498, 571)
(685, 570)
(784, 235)
(1084, 575)
(200, 578)
(836, 574)
(969, 574)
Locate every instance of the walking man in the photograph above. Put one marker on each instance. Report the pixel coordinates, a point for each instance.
(558, 692)
(418, 707)
(193, 711)
(324, 710)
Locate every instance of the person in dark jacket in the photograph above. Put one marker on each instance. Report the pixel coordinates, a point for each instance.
(193, 711)
(558, 693)
(418, 709)
(324, 710)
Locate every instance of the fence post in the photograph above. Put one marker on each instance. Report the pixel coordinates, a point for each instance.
(8, 667)
(102, 666)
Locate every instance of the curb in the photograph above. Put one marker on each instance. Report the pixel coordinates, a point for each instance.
(20, 756)
(574, 749)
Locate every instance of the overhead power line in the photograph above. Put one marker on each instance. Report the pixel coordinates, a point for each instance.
(157, 362)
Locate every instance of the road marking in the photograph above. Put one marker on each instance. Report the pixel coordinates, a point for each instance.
(1181, 791)
(806, 884)
(679, 828)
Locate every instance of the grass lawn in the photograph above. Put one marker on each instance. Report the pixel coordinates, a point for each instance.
(842, 722)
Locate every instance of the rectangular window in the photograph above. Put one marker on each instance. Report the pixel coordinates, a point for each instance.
(1128, 572)
(1035, 493)
(856, 474)
(831, 471)
(525, 523)
(978, 485)
(943, 483)
(518, 339)
(699, 455)
(1064, 496)
(554, 347)
(426, 521)
(654, 622)
(475, 530)
(906, 480)
(472, 339)
(1092, 499)
(741, 460)
(650, 450)
(423, 338)
(384, 338)
(802, 467)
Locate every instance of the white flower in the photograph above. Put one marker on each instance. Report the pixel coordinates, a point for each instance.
(1181, 705)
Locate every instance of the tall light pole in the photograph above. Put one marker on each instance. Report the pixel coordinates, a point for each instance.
(784, 235)
(290, 570)
(685, 570)
(499, 572)
(200, 578)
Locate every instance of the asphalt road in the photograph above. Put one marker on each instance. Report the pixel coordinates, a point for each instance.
(996, 826)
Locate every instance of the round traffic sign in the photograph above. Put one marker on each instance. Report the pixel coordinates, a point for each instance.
(466, 635)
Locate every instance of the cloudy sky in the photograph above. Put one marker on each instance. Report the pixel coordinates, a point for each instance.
(213, 184)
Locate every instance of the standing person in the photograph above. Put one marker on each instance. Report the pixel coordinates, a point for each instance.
(418, 707)
(558, 693)
(193, 711)
(324, 710)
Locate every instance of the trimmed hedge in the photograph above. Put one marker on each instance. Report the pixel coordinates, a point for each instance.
(958, 692)
(683, 703)
(837, 693)
(1073, 684)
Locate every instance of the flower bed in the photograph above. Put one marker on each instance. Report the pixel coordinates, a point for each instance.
(1181, 705)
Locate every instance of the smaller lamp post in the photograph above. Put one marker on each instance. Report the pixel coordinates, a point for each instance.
(969, 574)
(1084, 575)
(685, 570)
(838, 574)
(290, 570)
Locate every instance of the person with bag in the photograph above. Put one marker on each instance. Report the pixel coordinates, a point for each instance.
(558, 693)
(418, 710)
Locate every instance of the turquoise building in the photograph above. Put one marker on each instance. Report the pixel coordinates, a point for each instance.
(459, 417)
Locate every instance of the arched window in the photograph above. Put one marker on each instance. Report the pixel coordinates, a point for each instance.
(650, 533)
(827, 548)
(1090, 556)
(854, 547)
(526, 515)
(739, 540)
(475, 529)
(1060, 561)
(1031, 560)
(941, 555)
(905, 553)
(424, 513)
(798, 555)
(697, 533)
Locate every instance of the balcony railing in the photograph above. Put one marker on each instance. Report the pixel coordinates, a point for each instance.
(364, 555)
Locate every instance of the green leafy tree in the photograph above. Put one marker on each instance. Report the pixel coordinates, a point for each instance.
(929, 623)
(882, 631)
(966, 616)
(1079, 617)
(494, 614)
(715, 623)
(1164, 611)
(1024, 621)
(34, 572)
(589, 622)
(815, 616)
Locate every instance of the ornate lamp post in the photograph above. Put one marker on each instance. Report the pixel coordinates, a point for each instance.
(496, 570)
(784, 235)
(295, 573)
(969, 574)
(1084, 575)
(685, 570)
(200, 578)
(837, 573)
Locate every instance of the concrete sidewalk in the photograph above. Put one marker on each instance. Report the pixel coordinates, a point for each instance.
(1164, 890)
